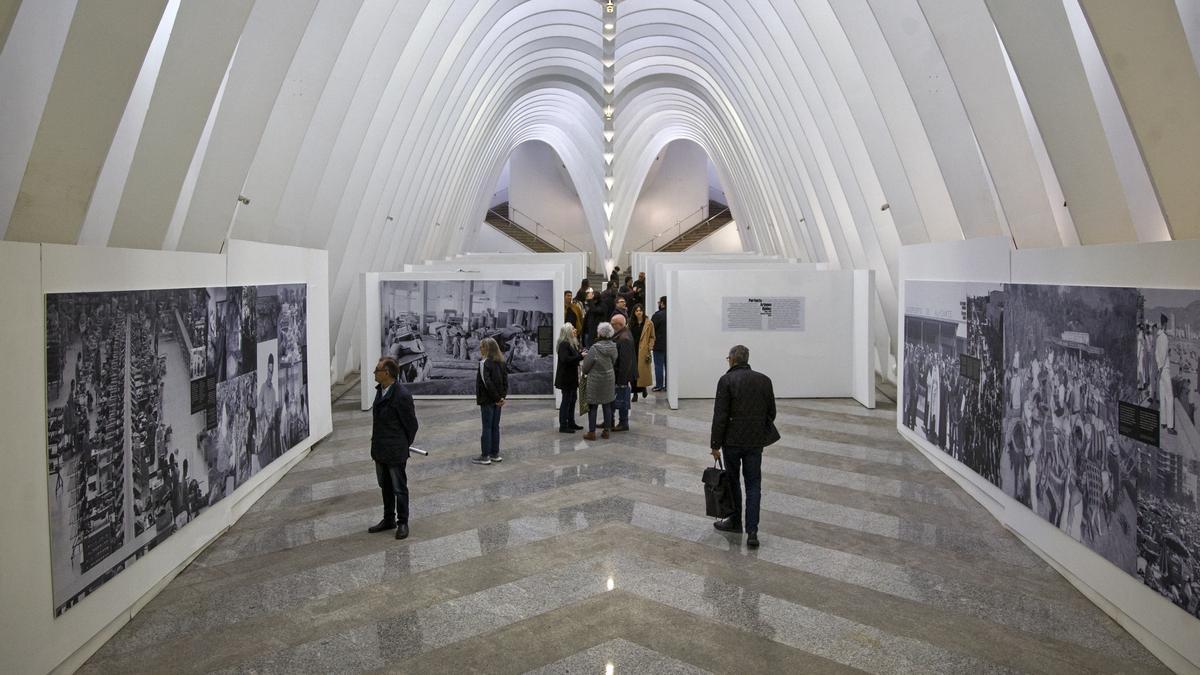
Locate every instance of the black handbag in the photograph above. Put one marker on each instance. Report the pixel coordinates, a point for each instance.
(718, 492)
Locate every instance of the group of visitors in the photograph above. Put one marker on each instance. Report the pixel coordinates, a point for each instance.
(607, 371)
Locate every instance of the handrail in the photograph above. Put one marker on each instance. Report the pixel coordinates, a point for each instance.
(537, 232)
(677, 224)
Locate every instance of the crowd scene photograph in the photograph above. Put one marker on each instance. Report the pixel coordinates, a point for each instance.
(953, 354)
(159, 404)
(1064, 371)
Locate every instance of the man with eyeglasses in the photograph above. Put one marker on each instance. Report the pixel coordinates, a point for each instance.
(743, 424)
(393, 429)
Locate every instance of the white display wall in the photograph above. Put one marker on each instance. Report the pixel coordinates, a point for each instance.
(576, 263)
(1160, 625)
(830, 357)
(372, 324)
(34, 640)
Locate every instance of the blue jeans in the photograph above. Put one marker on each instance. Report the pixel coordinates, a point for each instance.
(489, 440)
(608, 415)
(566, 411)
(621, 403)
(660, 370)
(749, 462)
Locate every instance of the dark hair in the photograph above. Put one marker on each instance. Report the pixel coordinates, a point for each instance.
(663, 301)
(628, 278)
(389, 364)
(638, 306)
(270, 359)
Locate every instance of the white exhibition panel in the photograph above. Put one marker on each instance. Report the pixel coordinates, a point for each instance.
(1158, 624)
(371, 319)
(822, 360)
(34, 640)
(577, 262)
(656, 278)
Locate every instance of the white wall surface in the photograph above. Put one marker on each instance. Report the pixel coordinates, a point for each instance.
(1163, 628)
(675, 188)
(491, 240)
(34, 641)
(823, 360)
(540, 188)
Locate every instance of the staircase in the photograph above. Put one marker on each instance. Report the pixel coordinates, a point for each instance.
(498, 217)
(719, 216)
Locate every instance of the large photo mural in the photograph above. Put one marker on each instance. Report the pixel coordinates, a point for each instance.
(1078, 402)
(433, 330)
(160, 403)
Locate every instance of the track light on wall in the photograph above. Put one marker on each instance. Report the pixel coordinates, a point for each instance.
(885, 206)
(244, 199)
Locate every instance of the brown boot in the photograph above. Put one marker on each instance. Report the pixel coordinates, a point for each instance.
(604, 434)
(591, 436)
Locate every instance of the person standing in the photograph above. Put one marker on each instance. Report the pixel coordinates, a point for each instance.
(660, 345)
(593, 317)
(491, 389)
(614, 279)
(600, 366)
(572, 312)
(566, 378)
(626, 370)
(643, 338)
(1166, 395)
(393, 429)
(743, 424)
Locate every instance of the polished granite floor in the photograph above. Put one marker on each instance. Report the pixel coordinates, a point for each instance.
(591, 557)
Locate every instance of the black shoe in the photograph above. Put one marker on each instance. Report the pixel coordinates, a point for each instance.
(496, 459)
(728, 525)
(752, 540)
(402, 531)
(577, 427)
(566, 430)
(383, 526)
(621, 427)
(482, 459)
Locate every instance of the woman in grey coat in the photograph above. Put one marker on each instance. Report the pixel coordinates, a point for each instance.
(599, 365)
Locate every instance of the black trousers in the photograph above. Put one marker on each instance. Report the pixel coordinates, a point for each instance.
(393, 485)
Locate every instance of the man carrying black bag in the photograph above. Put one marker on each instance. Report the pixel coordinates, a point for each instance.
(743, 424)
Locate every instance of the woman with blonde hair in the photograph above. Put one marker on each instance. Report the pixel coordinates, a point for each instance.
(599, 364)
(566, 378)
(491, 389)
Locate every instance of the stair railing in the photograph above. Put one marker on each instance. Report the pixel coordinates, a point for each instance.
(678, 228)
(538, 230)
(703, 222)
(544, 233)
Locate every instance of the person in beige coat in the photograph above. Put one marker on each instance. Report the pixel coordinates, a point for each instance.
(645, 377)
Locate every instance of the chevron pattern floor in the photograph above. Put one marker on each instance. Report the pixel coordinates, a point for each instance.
(577, 557)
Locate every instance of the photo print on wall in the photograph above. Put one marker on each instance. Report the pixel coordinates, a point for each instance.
(159, 404)
(1097, 410)
(433, 330)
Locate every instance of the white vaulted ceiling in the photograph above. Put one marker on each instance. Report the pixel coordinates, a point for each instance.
(377, 129)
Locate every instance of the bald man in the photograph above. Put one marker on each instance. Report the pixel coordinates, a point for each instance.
(625, 371)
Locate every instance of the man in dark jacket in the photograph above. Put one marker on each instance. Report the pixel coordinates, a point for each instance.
(625, 372)
(660, 345)
(743, 423)
(393, 429)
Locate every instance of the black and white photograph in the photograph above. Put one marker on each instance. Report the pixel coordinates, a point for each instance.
(953, 360)
(1167, 358)
(433, 330)
(132, 453)
(1069, 363)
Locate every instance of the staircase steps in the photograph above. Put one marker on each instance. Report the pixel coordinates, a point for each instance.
(719, 216)
(498, 217)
